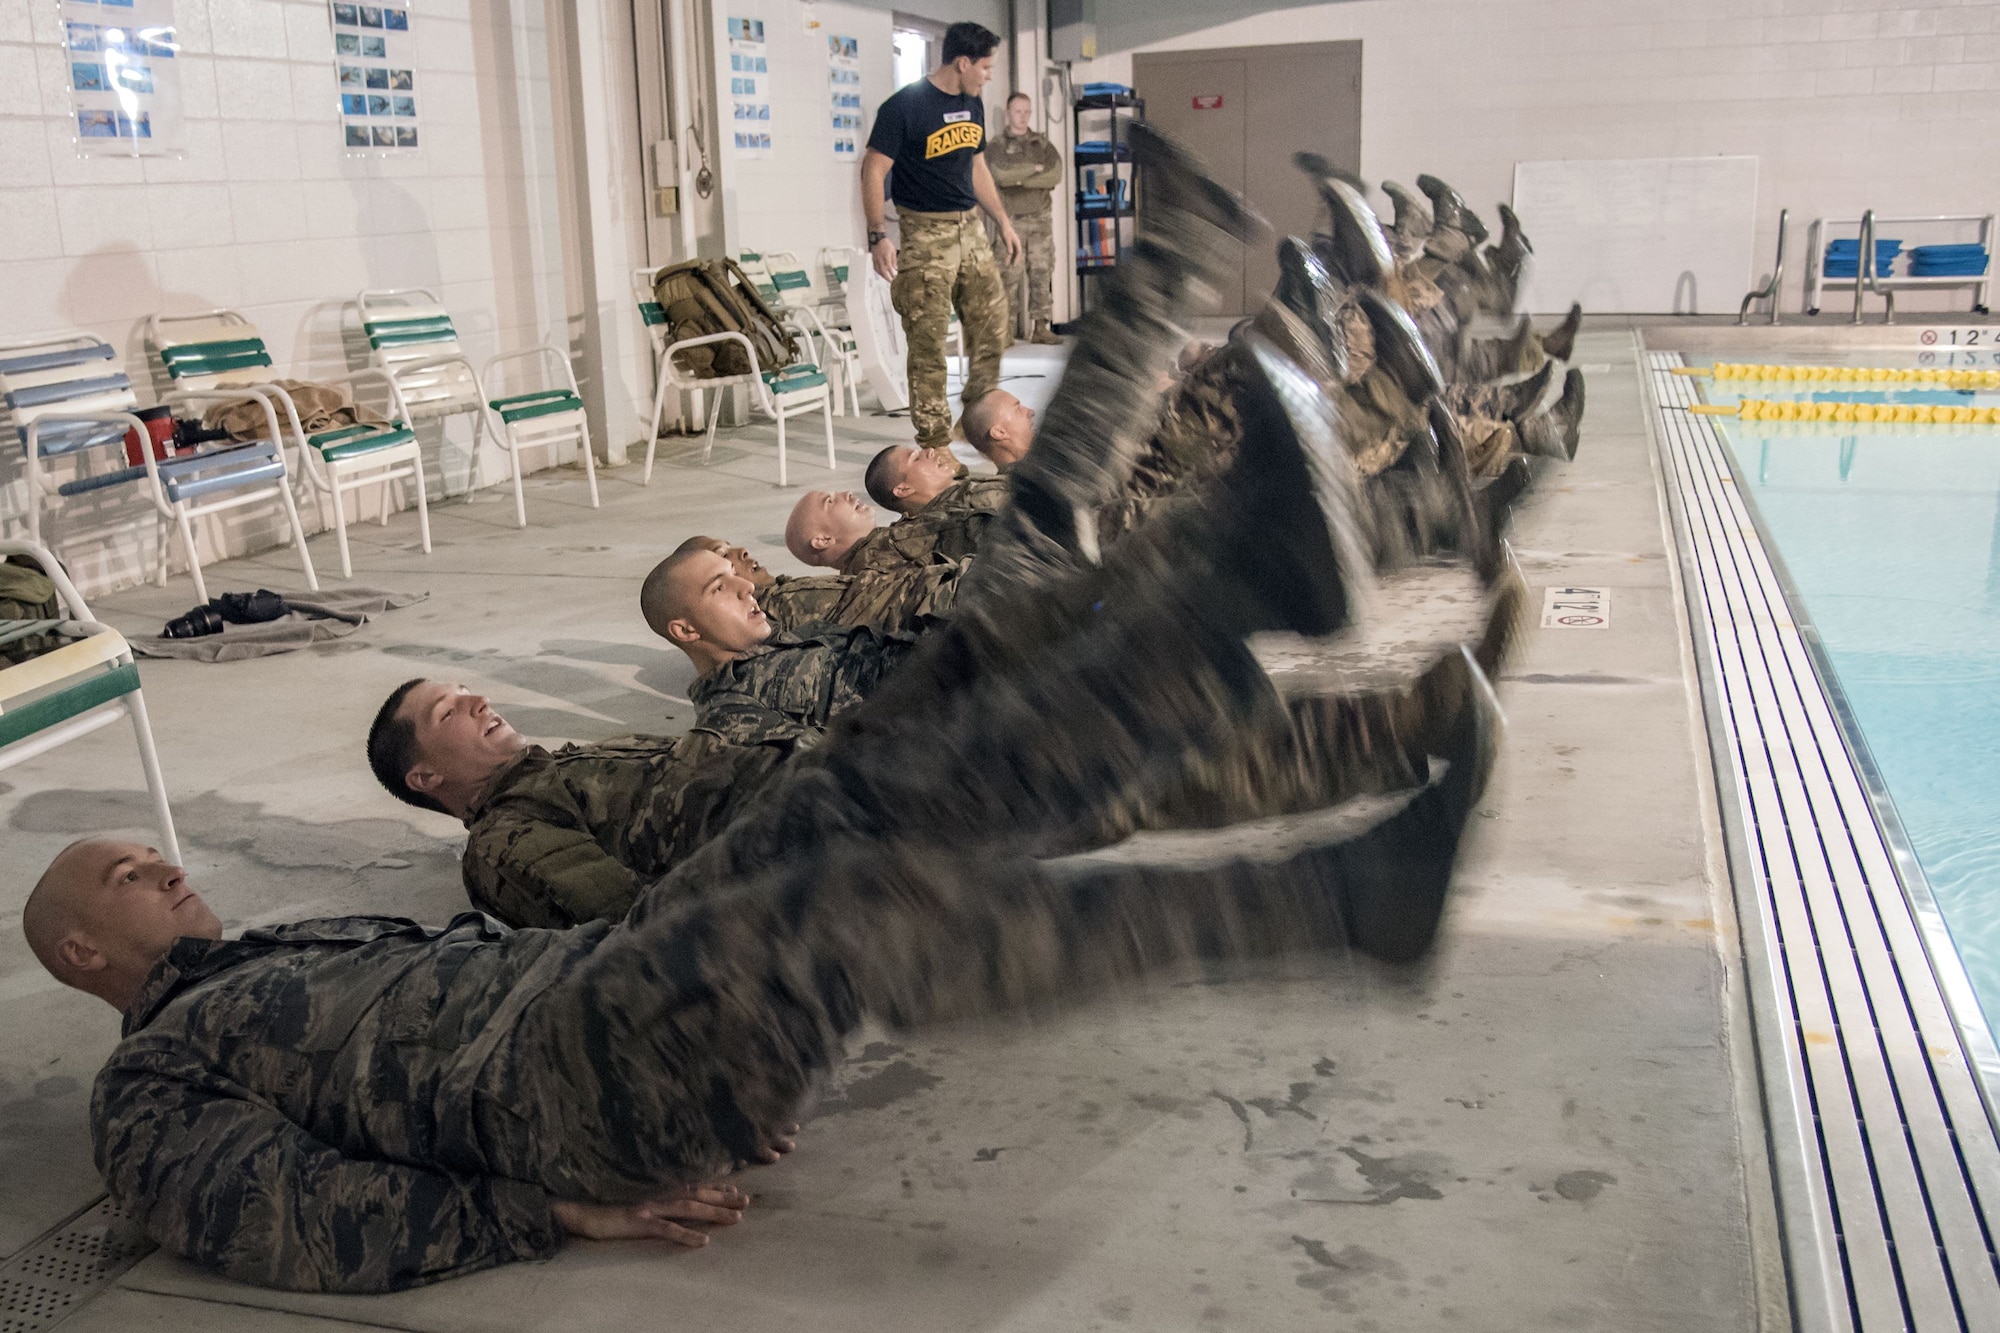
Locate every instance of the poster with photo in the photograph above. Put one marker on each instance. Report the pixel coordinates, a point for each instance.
(373, 54)
(843, 79)
(123, 58)
(749, 130)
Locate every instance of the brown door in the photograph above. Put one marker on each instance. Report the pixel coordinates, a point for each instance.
(1200, 104)
(1245, 110)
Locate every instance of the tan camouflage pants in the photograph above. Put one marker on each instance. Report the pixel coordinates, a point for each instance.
(1036, 228)
(945, 264)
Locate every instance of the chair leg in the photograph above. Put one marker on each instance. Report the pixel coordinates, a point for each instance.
(589, 460)
(299, 534)
(423, 503)
(826, 415)
(194, 558)
(156, 783)
(780, 405)
(520, 502)
(854, 383)
(652, 436)
(714, 414)
(340, 525)
(382, 490)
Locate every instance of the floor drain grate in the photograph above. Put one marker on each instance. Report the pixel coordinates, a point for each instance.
(49, 1279)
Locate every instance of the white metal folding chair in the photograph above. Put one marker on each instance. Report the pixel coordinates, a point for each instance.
(86, 683)
(73, 407)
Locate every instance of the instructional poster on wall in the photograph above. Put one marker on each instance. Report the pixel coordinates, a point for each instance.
(373, 50)
(843, 77)
(124, 76)
(749, 88)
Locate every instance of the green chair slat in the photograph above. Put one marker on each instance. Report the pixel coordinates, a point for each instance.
(351, 441)
(653, 313)
(191, 359)
(797, 377)
(30, 719)
(403, 332)
(749, 257)
(535, 397)
(765, 289)
(790, 280)
(840, 273)
(543, 405)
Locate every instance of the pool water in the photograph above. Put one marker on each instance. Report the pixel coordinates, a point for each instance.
(1891, 536)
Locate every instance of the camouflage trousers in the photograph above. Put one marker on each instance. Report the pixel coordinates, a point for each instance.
(1037, 265)
(883, 873)
(944, 264)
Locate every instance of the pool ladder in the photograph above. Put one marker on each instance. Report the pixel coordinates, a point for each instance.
(1769, 291)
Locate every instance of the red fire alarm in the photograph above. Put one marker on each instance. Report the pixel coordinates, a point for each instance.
(1208, 101)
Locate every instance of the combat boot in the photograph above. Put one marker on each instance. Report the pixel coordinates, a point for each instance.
(1306, 290)
(1355, 250)
(1410, 224)
(1513, 249)
(1447, 205)
(1399, 349)
(1394, 879)
(1550, 426)
(1044, 335)
(1560, 343)
(1286, 516)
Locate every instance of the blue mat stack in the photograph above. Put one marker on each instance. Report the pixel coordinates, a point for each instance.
(1843, 258)
(1947, 261)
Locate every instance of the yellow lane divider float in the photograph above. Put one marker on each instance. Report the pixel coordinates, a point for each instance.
(1941, 376)
(1899, 414)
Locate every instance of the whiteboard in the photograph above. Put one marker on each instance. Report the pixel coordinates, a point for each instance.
(1646, 235)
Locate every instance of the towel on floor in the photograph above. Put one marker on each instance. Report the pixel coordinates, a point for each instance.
(315, 617)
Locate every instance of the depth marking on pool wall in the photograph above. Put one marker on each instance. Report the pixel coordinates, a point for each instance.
(1576, 608)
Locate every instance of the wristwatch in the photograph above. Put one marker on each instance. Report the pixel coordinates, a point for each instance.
(875, 238)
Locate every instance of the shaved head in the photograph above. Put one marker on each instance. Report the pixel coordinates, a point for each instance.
(1000, 426)
(825, 525)
(105, 912)
(697, 601)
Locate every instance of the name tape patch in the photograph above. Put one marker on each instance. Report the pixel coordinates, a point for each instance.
(1576, 608)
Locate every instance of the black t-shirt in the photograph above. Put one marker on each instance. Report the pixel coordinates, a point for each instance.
(933, 136)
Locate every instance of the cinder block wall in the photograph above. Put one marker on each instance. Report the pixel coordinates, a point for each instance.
(266, 213)
(1847, 104)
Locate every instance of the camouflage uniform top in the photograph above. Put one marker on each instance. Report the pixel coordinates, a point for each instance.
(301, 1108)
(796, 600)
(1025, 167)
(564, 838)
(932, 535)
(793, 685)
(884, 599)
(985, 495)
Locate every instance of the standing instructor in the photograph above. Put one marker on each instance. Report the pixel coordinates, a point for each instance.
(932, 133)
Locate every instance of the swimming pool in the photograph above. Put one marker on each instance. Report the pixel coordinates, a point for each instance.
(1890, 539)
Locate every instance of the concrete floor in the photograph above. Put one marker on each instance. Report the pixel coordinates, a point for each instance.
(1550, 1131)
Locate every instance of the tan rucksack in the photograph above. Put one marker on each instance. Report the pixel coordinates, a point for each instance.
(704, 296)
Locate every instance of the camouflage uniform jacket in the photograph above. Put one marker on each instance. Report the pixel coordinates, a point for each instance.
(564, 838)
(967, 495)
(1025, 167)
(793, 685)
(885, 599)
(303, 1108)
(929, 536)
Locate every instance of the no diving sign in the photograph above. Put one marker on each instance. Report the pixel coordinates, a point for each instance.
(1576, 608)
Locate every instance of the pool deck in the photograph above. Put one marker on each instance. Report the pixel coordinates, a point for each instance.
(1558, 1127)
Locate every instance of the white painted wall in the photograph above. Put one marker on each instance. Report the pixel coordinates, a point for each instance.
(800, 197)
(264, 212)
(1848, 104)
